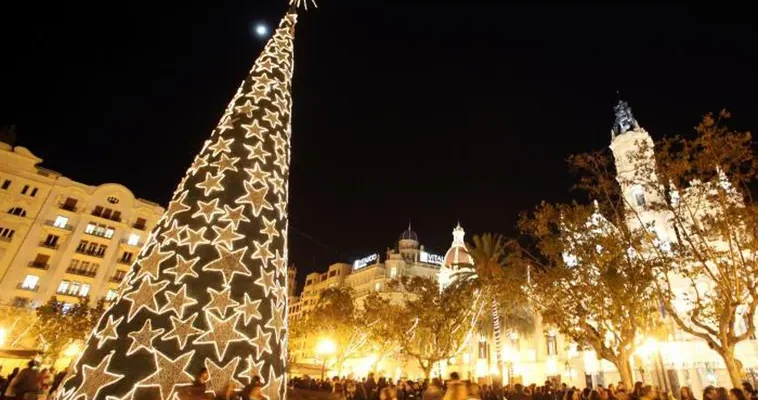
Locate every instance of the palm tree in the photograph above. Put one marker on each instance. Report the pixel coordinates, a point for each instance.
(499, 286)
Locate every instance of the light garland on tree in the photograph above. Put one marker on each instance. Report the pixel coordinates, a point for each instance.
(208, 289)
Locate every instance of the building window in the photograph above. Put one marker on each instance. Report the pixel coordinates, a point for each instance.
(552, 345)
(21, 302)
(112, 199)
(17, 211)
(84, 290)
(109, 232)
(30, 282)
(25, 189)
(51, 241)
(140, 224)
(111, 295)
(34, 192)
(69, 204)
(378, 286)
(639, 196)
(127, 257)
(63, 286)
(90, 228)
(6, 184)
(60, 222)
(393, 272)
(6, 233)
(133, 239)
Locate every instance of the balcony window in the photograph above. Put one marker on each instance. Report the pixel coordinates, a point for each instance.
(69, 204)
(6, 233)
(109, 232)
(133, 239)
(63, 286)
(140, 224)
(6, 184)
(90, 228)
(17, 211)
(30, 282)
(25, 189)
(84, 290)
(111, 295)
(60, 222)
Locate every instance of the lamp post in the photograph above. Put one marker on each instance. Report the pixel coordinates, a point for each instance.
(324, 348)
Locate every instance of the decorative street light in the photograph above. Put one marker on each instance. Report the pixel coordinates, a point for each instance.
(324, 348)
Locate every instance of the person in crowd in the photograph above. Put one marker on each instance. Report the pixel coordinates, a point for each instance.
(433, 390)
(685, 393)
(26, 383)
(749, 391)
(722, 393)
(737, 394)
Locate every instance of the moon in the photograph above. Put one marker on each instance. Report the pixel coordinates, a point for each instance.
(261, 30)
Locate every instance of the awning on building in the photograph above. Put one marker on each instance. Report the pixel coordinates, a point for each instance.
(16, 354)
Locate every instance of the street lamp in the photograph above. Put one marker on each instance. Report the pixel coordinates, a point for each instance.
(324, 348)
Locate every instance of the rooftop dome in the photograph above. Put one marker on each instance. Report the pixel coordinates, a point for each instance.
(409, 234)
(457, 254)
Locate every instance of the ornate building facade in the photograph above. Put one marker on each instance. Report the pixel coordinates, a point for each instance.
(63, 238)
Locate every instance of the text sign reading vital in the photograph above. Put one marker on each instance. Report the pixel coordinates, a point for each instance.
(430, 258)
(360, 263)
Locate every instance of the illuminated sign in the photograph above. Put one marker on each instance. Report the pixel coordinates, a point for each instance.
(360, 263)
(430, 258)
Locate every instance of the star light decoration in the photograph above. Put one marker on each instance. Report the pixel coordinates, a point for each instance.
(208, 288)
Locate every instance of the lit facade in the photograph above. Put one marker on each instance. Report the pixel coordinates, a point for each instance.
(63, 238)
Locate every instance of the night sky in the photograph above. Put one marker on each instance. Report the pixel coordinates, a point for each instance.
(424, 111)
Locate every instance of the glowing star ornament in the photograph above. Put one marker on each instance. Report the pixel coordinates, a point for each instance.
(143, 338)
(182, 330)
(109, 331)
(222, 377)
(94, 379)
(221, 334)
(208, 287)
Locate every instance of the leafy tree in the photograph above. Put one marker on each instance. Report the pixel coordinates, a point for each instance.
(432, 325)
(584, 281)
(59, 326)
(20, 327)
(499, 286)
(702, 189)
(336, 318)
(378, 316)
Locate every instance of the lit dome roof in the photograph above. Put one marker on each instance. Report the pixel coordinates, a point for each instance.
(457, 254)
(409, 234)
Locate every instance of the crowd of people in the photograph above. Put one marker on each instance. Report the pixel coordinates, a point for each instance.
(370, 388)
(30, 383)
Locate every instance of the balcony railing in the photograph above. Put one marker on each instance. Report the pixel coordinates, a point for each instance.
(108, 217)
(67, 227)
(139, 226)
(31, 289)
(126, 242)
(91, 253)
(82, 272)
(99, 234)
(39, 265)
(5, 239)
(68, 207)
(53, 246)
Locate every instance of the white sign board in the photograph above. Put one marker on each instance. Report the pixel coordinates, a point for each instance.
(360, 263)
(430, 258)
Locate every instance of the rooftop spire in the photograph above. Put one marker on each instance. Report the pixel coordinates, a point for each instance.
(624, 119)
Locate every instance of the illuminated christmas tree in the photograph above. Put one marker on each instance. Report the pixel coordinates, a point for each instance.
(209, 288)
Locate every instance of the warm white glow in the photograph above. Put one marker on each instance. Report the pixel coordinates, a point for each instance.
(2, 337)
(326, 346)
(261, 30)
(133, 239)
(72, 350)
(60, 222)
(647, 349)
(30, 282)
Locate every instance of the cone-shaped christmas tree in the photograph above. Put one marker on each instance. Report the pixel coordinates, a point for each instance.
(209, 288)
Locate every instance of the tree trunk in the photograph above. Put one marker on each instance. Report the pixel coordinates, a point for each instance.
(625, 370)
(498, 346)
(427, 368)
(731, 366)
